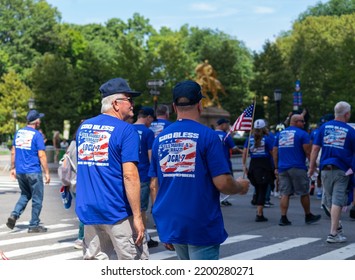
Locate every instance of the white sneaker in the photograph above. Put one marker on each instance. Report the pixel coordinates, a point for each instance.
(78, 244)
(338, 238)
(276, 194)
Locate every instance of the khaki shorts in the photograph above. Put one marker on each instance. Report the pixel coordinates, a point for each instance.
(106, 242)
(294, 181)
(335, 185)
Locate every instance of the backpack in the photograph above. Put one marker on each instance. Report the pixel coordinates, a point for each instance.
(67, 171)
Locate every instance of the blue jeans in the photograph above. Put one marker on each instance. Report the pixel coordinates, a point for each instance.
(191, 252)
(31, 186)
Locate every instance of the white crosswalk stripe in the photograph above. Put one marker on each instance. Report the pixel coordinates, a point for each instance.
(272, 249)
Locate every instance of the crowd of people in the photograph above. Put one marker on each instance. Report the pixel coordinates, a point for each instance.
(183, 170)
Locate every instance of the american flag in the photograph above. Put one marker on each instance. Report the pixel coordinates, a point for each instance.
(245, 120)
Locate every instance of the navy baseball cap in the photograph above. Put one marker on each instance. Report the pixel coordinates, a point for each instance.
(33, 115)
(147, 111)
(222, 121)
(188, 89)
(117, 85)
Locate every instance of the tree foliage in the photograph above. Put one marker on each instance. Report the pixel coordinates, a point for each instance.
(62, 65)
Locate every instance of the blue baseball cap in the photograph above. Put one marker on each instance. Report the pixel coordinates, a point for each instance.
(33, 115)
(147, 111)
(117, 85)
(188, 89)
(222, 121)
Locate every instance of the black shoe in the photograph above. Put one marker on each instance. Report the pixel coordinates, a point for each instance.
(260, 218)
(352, 212)
(311, 219)
(253, 201)
(37, 229)
(152, 243)
(226, 203)
(268, 204)
(11, 221)
(284, 222)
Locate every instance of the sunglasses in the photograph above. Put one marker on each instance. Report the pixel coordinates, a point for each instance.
(129, 99)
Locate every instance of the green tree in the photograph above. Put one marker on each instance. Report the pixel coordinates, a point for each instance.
(272, 72)
(14, 95)
(27, 31)
(330, 8)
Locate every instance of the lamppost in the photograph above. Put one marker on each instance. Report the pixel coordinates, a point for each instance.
(31, 103)
(14, 115)
(277, 98)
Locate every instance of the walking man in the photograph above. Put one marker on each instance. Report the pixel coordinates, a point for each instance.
(27, 157)
(146, 136)
(290, 151)
(189, 170)
(228, 147)
(162, 120)
(337, 140)
(108, 187)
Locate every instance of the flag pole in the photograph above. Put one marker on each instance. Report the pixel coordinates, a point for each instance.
(252, 121)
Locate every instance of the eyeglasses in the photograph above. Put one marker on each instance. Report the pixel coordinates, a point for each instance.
(300, 121)
(129, 99)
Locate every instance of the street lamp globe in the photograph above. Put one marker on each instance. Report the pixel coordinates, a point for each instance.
(31, 103)
(277, 95)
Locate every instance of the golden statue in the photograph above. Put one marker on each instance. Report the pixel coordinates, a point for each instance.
(207, 78)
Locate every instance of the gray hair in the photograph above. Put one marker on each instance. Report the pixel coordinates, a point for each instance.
(341, 108)
(106, 102)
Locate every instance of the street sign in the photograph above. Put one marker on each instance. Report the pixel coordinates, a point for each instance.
(155, 83)
(154, 92)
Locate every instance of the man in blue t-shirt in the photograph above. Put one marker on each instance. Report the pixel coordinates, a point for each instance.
(146, 136)
(228, 147)
(162, 119)
(108, 186)
(27, 157)
(291, 148)
(189, 171)
(337, 140)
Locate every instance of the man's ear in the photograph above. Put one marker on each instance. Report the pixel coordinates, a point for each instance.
(174, 108)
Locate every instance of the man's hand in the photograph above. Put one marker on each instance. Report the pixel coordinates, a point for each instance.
(48, 178)
(243, 184)
(13, 173)
(139, 227)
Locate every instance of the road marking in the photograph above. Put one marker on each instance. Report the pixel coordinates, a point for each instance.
(45, 248)
(38, 237)
(18, 230)
(272, 249)
(339, 254)
(65, 256)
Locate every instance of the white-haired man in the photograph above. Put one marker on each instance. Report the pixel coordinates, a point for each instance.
(337, 140)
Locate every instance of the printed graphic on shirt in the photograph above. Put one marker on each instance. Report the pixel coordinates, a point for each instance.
(334, 136)
(24, 139)
(157, 128)
(257, 150)
(287, 138)
(93, 143)
(177, 156)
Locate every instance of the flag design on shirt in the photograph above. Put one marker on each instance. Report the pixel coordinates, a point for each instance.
(24, 139)
(177, 156)
(93, 146)
(335, 136)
